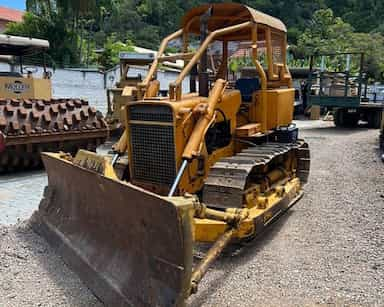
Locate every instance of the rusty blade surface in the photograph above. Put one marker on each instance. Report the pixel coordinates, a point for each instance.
(130, 247)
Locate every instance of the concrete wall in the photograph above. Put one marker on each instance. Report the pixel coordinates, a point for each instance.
(91, 85)
(4, 67)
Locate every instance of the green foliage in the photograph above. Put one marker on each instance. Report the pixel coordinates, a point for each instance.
(329, 34)
(372, 44)
(110, 55)
(364, 16)
(62, 41)
(31, 26)
(313, 25)
(325, 33)
(236, 64)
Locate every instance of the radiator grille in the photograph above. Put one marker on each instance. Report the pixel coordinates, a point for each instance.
(153, 149)
(159, 113)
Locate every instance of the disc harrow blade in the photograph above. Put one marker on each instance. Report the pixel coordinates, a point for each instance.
(51, 125)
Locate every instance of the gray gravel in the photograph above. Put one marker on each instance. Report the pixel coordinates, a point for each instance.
(327, 250)
(31, 274)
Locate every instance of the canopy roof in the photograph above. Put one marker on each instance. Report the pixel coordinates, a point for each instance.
(228, 14)
(18, 45)
(136, 58)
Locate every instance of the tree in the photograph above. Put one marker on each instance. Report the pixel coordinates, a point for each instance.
(373, 46)
(63, 23)
(313, 25)
(329, 34)
(52, 28)
(325, 33)
(110, 55)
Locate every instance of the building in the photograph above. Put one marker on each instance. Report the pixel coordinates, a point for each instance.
(8, 15)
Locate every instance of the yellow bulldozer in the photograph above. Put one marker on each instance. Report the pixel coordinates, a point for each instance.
(216, 163)
(31, 121)
(127, 85)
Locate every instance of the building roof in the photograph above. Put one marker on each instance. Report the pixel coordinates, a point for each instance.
(11, 14)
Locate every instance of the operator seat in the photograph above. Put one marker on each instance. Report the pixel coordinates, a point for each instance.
(247, 86)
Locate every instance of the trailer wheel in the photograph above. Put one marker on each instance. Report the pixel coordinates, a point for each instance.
(351, 120)
(344, 119)
(382, 141)
(374, 119)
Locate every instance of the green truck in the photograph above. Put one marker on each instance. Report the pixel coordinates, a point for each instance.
(339, 83)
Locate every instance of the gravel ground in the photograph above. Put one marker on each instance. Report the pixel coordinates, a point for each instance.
(328, 249)
(31, 274)
(20, 195)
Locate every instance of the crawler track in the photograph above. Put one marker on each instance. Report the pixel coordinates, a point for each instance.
(230, 177)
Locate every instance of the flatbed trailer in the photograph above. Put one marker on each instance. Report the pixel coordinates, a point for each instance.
(344, 90)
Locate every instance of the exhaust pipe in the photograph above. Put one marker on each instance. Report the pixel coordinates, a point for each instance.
(2, 142)
(203, 73)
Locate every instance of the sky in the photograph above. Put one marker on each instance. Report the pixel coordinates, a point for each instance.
(16, 4)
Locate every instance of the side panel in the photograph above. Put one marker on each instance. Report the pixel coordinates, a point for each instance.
(273, 108)
(29, 88)
(280, 104)
(334, 101)
(42, 89)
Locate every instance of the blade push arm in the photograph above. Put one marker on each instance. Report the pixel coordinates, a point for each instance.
(207, 113)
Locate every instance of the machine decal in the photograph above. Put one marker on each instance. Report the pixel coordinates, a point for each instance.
(17, 87)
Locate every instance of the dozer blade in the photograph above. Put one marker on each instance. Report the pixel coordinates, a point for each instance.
(130, 247)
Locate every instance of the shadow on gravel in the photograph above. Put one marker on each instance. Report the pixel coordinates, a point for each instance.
(72, 292)
(237, 254)
(336, 130)
(379, 153)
